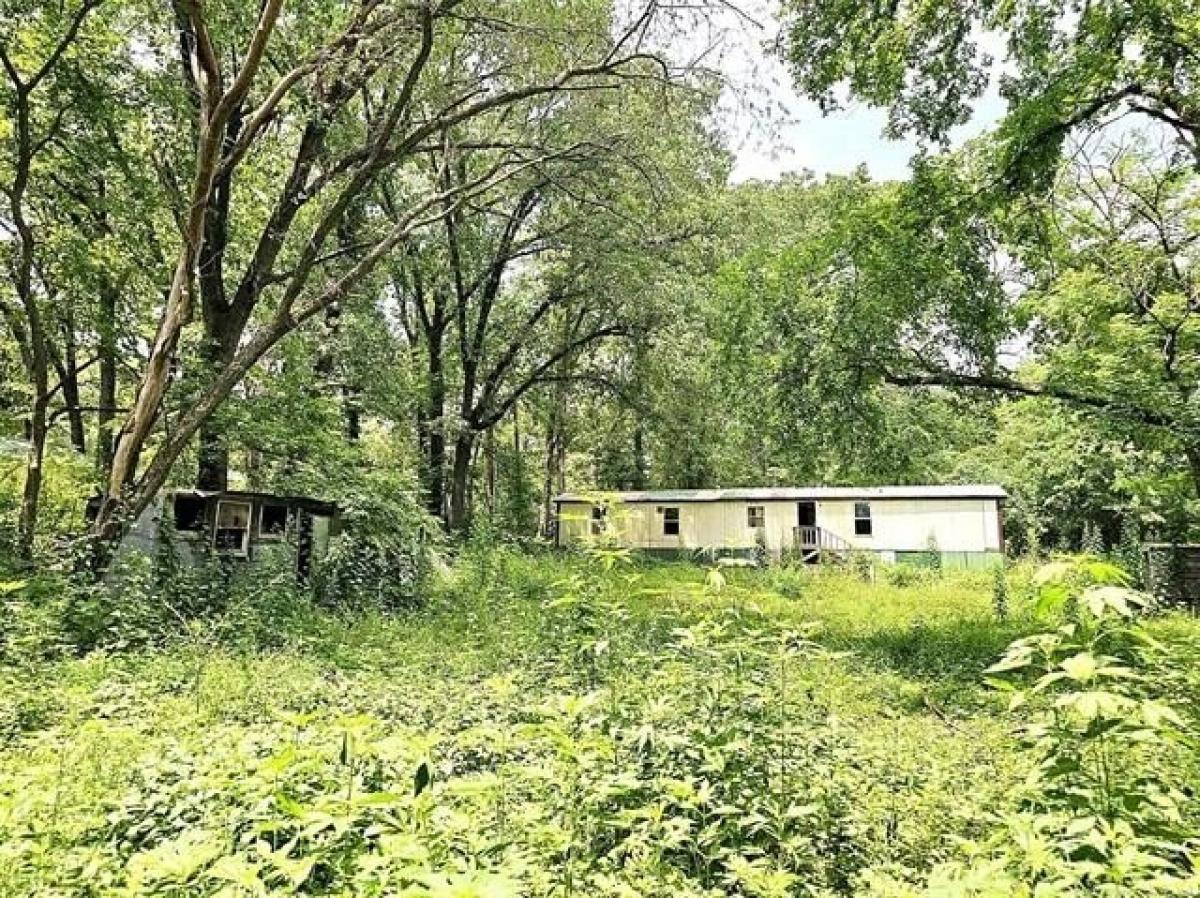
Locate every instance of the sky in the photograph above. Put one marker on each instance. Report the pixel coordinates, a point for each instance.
(799, 137)
(835, 144)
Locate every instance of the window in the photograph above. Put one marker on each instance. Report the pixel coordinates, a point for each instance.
(670, 521)
(232, 533)
(599, 519)
(756, 516)
(189, 513)
(272, 521)
(862, 518)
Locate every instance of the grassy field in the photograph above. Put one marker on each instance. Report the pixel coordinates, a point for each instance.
(540, 728)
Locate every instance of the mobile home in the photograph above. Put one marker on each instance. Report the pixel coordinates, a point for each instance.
(897, 523)
(238, 525)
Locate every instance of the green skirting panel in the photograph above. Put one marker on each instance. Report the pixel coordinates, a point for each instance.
(971, 561)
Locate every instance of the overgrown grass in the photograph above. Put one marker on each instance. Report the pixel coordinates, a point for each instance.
(538, 729)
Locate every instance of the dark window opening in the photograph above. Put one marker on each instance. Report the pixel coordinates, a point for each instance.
(756, 516)
(670, 522)
(273, 521)
(599, 519)
(862, 518)
(189, 513)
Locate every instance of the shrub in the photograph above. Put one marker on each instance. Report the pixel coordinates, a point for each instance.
(789, 582)
(762, 555)
(1000, 592)
(583, 726)
(862, 564)
(381, 557)
(32, 609)
(1103, 811)
(904, 574)
(933, 555)
(1129, 550)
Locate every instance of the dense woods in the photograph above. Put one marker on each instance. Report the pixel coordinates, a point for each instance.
(434, 263)
(489, 255)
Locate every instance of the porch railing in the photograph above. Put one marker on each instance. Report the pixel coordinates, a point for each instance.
(817, 539)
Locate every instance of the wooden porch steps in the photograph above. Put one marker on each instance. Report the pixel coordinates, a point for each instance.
(815, 543)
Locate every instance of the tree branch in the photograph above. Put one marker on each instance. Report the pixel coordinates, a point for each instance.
(1012, 387)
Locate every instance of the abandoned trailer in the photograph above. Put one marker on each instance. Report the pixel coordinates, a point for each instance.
(897, 523)
(235, 524)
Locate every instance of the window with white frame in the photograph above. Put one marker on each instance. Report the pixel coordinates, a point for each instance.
(670, 521)
(756, 516)
(232, 533)
(862, 519)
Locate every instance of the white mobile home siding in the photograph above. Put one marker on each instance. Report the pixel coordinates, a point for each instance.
(899, 524)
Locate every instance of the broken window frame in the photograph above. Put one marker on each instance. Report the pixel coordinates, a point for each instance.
(599, 520)
(197, 521)
(266, 535)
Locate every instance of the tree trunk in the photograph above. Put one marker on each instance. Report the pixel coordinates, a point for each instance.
(39, 367)
(212, 468)
(435, 466)
(108, 377)
(223, 327)
(1193, 458)
(32, 492)
(70, 392)
(34, 352)
(489, 467)
(222, 331)
(68, 374)
(517, 471)
(216, 107)
(554, 475)
(641, 474)
(435, 436)
(460, 482)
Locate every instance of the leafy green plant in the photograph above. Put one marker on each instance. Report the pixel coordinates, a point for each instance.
(1104, 811)
(789, 582)
(1000, 591)
(1092, 540)
(862, 564)
(906, 574)
(1129, 550)
(382, 556)
(583, 726)
(933, 554)
(762, 554)
(587, 612)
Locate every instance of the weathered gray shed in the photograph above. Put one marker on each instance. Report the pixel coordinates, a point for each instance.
(236, 524)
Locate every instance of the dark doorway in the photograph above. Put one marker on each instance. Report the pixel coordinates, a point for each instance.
(806, 514)
(808, 537)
